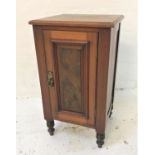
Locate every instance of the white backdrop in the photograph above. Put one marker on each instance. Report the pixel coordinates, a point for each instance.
(27, 73)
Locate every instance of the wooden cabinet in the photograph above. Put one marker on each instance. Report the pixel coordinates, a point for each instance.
(77, 57)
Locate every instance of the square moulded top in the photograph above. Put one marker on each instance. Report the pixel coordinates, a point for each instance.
(80, 20)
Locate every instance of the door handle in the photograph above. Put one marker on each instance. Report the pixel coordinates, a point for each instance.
(50, 79)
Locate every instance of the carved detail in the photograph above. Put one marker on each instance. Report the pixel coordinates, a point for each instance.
(50, 125)
(100, 139)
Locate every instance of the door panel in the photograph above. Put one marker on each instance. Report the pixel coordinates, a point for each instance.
(71, 56)
(69, 59)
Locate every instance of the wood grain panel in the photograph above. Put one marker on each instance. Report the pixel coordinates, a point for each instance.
(69, 60)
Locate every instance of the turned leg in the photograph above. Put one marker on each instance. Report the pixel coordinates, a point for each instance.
(100, 139)
(50, 125)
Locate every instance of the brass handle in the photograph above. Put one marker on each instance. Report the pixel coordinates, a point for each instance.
(50, 79)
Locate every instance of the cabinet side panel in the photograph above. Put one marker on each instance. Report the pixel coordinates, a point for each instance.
(112, 67)
(38, 38)
(102, 79)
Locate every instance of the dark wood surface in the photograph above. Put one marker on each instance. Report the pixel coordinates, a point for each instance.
(100, 139)
(70, 57)
(80, 52)
(81, 20)
(50, 125)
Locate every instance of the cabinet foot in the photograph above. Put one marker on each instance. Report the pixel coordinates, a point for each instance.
(100, 139)
(50, 125)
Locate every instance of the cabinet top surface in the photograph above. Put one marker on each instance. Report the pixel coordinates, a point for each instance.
(80, 20)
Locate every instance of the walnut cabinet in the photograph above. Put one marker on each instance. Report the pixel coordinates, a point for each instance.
(77, 59)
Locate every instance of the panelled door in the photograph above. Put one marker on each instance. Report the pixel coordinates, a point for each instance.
(71, 68)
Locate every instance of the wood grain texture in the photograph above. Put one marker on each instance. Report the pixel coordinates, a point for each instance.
(102, 79)
(69, 35)
(70, 78)
(67, 28)
(42, 68)
(70, 61)
(84, 114)
(80, 20)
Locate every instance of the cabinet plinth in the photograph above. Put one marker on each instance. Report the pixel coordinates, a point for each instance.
(77, 59)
